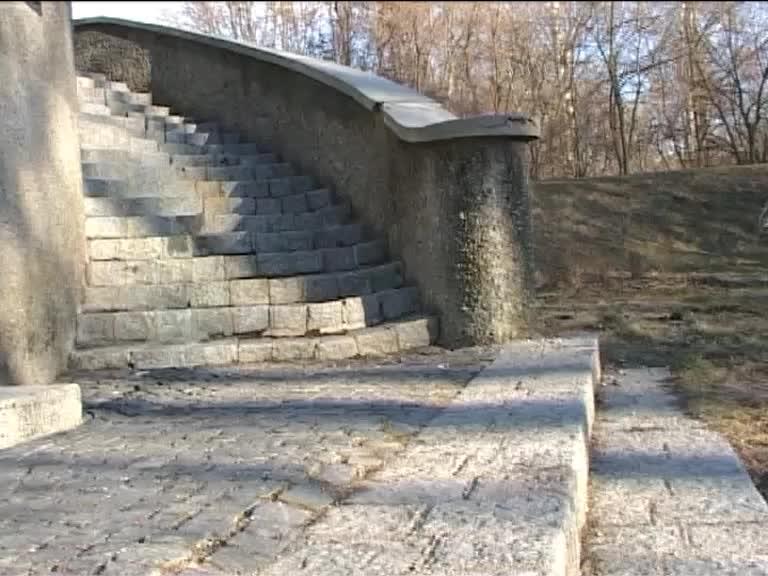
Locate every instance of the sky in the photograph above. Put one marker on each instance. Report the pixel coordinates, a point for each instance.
(152, 12)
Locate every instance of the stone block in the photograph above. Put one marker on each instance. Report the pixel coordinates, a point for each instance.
(142, 272)
(95, 328)
(416, 333)
(268, 206)
(308, 221)
(325, 317)
(399, 302)
(208, 269)
(211, 322)
(338, 236)
(284, 241)
(247, 188)
(317, 199)
(100, 358)
(240, 266)
(385, 277)
(356, 283)
(215, 206)
(378, 341)
(294, 204)
(160, 357)
(361, 311)
(104, 249)
(336, 215)
(290, 263)
(250, 319)
(280, 187)
(172, 325)
(206, 294)
(286, 290)
(178, 247)
(28, 412)
(232, 243)
(134, 326)
(249, 291)
(370, 253)
(256, 350)
(338, 259)
(288, 320)
(288, 349)
(320, 287)
(170, 271)
(208, 189)
(100, 298)
(302, 183)
(282, 223)
(335, 348)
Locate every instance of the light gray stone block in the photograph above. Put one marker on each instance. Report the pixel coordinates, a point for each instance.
(211, 322)
(230, 206)
(205, 294)
(208, 269)
(251, 319)
(246, 188)
(170, 271)
(325, 317)
(172, 325)
(232, 243)
(335, 348)
(249, 291)
(178, 247)
(255, 350)
(100, 358)
(160, 357)
(361, 311)
(286, 290)
(378, 341)
(134, 326)
(416, 333)
(95, 328)
(288, 320)
(240, 266)
(288, 349)
(28, 412)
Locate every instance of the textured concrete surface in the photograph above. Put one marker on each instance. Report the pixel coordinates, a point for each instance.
(171, 465)
(42, 247)
(27, 412)
(455, 210)
(400, 467)
(668, 496)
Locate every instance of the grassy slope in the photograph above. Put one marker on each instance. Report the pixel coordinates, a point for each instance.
(712, 334)
(667, 222)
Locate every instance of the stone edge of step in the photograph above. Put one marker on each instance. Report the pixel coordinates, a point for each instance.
(385, 339)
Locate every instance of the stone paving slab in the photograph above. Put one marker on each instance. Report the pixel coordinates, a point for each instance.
(494, 485)
(668, 496)
(173, 466)
(28, 412)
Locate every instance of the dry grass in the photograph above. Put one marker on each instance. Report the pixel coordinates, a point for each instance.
(714, 338)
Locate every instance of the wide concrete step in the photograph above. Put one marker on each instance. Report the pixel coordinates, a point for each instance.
(134, 171)
(99, 80)
(306, 226)
(389, 338)
(222, 159)
(119, 189)
(202, 282)
(274, 320)
(190, 205)
(98, 155)
(28, 412)
(201, 138)
(240, 148)
(151, 269)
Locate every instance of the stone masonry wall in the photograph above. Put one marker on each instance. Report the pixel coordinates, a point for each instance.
(456, 211)
(42, 246)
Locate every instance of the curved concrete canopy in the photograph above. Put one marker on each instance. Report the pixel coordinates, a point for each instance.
(413, 117)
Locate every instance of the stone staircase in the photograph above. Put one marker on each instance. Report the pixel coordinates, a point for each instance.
(206, 250)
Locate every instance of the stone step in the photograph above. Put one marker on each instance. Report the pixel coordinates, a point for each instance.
(149, 264)
(143, 173)
(240, 148)
(389, 338)
(99, 80)
(274, 320)
(140, 98)
(84, 82)
(310, 231)
(175, 206)
(121, 189)
(202, 138)
(94, 109)
(99, 155)
(202, 282)
(219, 159)
(294, 204)
(120, 108)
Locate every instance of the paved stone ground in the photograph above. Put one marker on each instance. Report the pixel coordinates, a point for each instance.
(173, 465)
(668, 496)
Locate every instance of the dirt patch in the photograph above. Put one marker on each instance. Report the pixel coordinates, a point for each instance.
(712, 331)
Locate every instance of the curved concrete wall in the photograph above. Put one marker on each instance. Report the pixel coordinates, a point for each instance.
(42, 244)
(450, 195)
